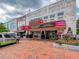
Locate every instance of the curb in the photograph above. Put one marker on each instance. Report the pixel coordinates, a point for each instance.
(65, 46)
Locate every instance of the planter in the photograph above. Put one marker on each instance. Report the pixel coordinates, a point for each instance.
(65, 46)
(70, 47)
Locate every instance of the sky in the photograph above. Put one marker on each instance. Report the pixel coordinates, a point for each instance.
(77, 4)
(10, 9)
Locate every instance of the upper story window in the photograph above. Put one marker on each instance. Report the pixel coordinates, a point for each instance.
(61, 14)
(52, 16)
(46, 17)
(68, 1)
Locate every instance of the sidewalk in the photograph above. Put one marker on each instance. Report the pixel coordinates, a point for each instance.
(32, 49)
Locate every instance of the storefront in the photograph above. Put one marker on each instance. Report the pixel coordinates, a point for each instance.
(50, 30)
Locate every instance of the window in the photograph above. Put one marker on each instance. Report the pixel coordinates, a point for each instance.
(61, 14)
(61, 17)
(6, 35)
(9, 36)
(52, 16)
(0, 36)
(68, 1)
(46, 17)
(13, 35)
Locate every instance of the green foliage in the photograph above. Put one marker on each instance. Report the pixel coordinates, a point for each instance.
(67, 37)
(3, 28)
(77, 30)
(77, 21)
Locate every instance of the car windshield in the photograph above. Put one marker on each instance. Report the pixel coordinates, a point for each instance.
(12, 35)
(0, 36)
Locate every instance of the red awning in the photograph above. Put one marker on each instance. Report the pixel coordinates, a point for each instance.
(60, 23)
(25, 27)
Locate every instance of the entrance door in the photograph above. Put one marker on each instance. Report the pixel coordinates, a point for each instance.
(53, 35)
(47, 34)
(42, 35)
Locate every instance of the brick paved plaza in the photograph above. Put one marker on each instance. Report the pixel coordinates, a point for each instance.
(33, 49)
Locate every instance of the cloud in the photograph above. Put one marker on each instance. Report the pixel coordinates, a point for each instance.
(77, 13)
(13, 8)
(47, 2)
(2, 11)
(10, 9)
(29, 3)
(77, 3)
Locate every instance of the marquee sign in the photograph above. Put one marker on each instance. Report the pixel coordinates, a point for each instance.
(25, 27)
(50, 24)
(60, 23)
(36, 22)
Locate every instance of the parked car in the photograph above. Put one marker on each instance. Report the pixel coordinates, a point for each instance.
(8, 38)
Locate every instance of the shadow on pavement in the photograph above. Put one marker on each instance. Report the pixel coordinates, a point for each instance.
(35, 39)
(7, 45)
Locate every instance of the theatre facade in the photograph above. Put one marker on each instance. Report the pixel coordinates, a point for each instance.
(54, 20)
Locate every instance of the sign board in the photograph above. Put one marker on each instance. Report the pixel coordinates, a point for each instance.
(60, 23)
(35, 22)
(50, 24)
(25, 27)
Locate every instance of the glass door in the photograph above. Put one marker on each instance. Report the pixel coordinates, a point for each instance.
(53, 35)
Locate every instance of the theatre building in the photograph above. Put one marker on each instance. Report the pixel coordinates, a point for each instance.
(53, 21)
(49, 22)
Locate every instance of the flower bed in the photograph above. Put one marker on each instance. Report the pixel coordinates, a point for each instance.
(69, 42)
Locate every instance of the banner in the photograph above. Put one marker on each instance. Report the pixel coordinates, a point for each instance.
(60, 23)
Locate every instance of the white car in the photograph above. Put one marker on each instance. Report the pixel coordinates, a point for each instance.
(7, 38)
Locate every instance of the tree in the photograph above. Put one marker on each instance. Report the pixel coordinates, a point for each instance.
(77, 25)
(3, 28)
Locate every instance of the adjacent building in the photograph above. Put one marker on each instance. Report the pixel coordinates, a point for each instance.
(12, 26)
